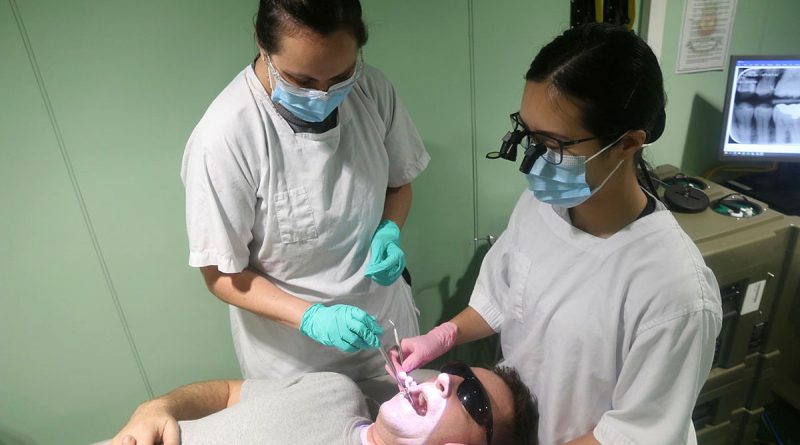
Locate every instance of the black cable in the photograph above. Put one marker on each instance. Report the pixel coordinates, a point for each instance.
(771, 427)
(649, 182)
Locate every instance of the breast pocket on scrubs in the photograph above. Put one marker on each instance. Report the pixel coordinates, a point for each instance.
(295, 216)
(518, 272)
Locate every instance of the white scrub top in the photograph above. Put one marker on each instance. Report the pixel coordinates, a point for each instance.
(615, 335)
(300, 209)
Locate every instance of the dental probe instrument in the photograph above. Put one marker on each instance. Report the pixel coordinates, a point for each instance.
(400, 382)
(397, 341)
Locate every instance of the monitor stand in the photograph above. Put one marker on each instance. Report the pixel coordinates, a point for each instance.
(780, 189)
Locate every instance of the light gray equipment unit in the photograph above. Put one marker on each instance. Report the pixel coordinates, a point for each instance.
(739, 429)
(756, 262)
(787, 331)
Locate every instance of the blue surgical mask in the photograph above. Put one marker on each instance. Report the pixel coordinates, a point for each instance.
(564, 185)
(309, 104)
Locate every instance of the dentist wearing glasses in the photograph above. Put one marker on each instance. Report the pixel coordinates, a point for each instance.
(603, 304)
(298, 180)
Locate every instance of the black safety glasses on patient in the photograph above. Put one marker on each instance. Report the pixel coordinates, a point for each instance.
(535, 143)
(472, 395)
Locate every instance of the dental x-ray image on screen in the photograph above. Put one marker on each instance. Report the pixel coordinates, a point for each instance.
(762, 109)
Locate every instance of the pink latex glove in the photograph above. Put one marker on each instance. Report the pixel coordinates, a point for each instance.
(422, 349)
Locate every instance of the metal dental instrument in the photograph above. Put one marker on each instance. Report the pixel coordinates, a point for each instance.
(397, 341)
(387, 358)
(397, 378)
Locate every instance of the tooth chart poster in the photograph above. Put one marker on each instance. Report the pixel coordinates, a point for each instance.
(705, 35)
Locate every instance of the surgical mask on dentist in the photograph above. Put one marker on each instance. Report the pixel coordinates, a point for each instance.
(564, 185)
(306, 103)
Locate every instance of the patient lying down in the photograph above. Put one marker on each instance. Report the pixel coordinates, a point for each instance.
(461, 405)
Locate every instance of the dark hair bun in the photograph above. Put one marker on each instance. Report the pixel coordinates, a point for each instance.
(320, 16)
(658, 127)
(612, 73)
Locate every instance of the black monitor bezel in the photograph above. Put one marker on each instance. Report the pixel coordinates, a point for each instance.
(725, 110)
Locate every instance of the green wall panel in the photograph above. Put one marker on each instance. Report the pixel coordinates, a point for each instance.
(507, 37)
(128, 81)
(423, 47)
(67, 370)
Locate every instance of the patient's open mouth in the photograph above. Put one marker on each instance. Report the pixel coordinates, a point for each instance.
(421, 405)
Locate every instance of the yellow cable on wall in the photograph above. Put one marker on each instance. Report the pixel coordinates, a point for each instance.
(631, 13)
(599, 9)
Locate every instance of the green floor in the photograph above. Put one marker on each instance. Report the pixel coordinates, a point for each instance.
(785, 422)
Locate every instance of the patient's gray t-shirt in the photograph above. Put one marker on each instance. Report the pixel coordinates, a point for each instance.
(319, 408)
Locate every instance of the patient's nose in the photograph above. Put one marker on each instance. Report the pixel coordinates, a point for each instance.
(443, 385)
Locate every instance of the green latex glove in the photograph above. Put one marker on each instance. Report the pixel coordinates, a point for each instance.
(343, 326)
(387, 260)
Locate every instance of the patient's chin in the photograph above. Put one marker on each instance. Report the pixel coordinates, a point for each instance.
(397, 407)
(400, 405)
(400, 419)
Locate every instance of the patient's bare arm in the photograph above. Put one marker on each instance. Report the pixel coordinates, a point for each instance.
(586, 439)
(156, 420)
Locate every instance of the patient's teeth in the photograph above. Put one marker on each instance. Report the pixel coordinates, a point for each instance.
(763, 115)
(787, 123)
(746, 85)
(742, 130)
(422, 405)
(766, 85)
(789, 85)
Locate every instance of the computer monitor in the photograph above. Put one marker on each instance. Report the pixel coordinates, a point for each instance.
(762, 109)
(762, 123)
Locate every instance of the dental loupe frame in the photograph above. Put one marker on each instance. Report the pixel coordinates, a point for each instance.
(508, 151)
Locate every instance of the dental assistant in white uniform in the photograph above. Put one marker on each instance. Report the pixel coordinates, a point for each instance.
(602, 302)
(297, 183)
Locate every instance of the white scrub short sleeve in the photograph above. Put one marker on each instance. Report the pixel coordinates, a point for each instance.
(407, 154)
(659, 382)
(220, 202)
(489, 296)
(499, 292)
